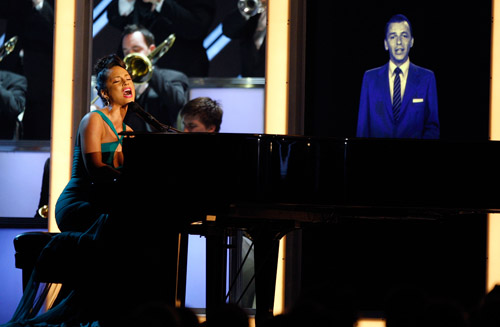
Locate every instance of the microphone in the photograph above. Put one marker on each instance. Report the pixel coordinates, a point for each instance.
(150, 119)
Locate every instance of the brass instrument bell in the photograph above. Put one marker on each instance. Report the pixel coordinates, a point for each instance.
(251, 8)
(8, 47)
(141, 67)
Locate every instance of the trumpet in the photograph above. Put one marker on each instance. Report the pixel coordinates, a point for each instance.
(251, 8)
(8, 47)
(141, 67)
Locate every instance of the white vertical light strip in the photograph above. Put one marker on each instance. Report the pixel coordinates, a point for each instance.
(495, 75)
(62, 102)
(493, 270)
(276, 103)
(493, 266)
(279, 293)
(277, 61)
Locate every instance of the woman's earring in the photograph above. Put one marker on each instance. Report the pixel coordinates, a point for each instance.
(106, 101)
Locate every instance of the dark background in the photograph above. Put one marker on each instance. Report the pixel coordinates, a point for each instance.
(344, 39)
(225, 64)
(445, 258)
(370, 258)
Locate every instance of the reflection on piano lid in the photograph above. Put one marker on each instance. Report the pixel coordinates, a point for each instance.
(312, 179)
(271, 184)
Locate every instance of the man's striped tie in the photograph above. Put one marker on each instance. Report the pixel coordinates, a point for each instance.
(396, 98)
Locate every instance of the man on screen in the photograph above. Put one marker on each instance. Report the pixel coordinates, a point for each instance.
(399, 99)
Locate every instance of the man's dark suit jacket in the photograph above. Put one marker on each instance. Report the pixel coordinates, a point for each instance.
(190, 20)
(13, 88)
(419, 109)
(167, 93)
(35, 31)
(252, 60)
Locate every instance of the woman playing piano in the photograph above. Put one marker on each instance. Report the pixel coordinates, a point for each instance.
(87, 254)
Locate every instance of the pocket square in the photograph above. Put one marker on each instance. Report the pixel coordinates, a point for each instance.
(418, 100)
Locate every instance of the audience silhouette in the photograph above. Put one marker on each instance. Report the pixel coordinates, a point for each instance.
(404, 306)
(321, 305)
(228, 315)
(487, 312)
(444, 313)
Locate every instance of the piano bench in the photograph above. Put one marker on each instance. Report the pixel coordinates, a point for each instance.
(28, 246)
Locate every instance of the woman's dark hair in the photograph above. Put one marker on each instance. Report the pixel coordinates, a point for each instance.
(101, 70)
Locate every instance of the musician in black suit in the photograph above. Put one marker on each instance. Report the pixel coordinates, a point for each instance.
(13, 88)
(250, 31)
(190, 20)
(32, 21)
(165, 93)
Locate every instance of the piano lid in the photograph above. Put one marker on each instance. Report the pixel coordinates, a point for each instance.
(308, 173)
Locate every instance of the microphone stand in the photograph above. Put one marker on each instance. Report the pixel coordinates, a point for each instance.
(150, 119)
(168, 128)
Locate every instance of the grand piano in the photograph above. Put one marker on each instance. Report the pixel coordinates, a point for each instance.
(270, 185)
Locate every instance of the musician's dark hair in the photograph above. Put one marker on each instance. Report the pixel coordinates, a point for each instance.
(101, 70)
(208, 111)
(132, 28)
(398, 18)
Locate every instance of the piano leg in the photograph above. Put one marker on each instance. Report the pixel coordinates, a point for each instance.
(215, 269)
(266, 243)
(266, 247)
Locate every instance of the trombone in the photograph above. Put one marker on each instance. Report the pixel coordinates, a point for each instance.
(8, 47)
(140, 66)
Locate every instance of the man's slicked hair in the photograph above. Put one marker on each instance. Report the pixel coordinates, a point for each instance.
(398, 18)
(132, 28)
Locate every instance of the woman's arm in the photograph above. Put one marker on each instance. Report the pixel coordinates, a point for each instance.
(92, 132)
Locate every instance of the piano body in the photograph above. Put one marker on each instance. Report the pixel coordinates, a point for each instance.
(272, 184)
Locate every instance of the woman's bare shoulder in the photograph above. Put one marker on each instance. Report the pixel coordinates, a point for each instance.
(91, 117)
(91, 122)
